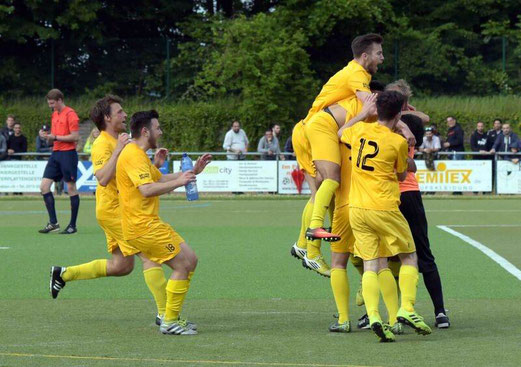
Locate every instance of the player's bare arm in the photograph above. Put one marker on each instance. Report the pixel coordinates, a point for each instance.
(107, 172)
(160, 188)
(73, 137)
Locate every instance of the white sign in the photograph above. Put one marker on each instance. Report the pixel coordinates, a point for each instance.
(460, 175)
(236, 176)
(508, 178)
(21, 176)
(286, 182)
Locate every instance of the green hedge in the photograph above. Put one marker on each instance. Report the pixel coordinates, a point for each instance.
(201, 126)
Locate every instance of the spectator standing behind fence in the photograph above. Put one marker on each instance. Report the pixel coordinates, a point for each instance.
(478, 141)
(455, 138)
(507, 141)
(3, 147)
(493, 133)
(236, 142)
(17, 143)
(7, 131)
(288, 148)
(430, 147)
(87, 148)
(268, 146)
(42, 145)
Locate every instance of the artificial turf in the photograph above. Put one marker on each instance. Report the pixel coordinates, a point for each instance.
(254, 304)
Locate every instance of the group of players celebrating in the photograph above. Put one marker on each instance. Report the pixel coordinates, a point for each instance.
(356, 148)
(127, 208)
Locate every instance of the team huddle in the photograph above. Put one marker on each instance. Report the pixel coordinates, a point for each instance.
(355, 147)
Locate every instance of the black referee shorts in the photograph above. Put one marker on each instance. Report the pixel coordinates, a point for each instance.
(412, 209)
(62, 165)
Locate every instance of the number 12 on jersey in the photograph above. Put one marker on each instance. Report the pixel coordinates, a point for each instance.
(367, 156)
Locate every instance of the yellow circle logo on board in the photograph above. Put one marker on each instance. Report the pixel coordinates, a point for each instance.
(442, 166)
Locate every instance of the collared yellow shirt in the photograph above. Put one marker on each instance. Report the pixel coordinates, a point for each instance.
(107, 202)
(139, 215)
(344, 84)
(376, 155)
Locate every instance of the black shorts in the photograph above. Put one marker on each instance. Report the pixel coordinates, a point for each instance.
(412, 209)
(62, 164)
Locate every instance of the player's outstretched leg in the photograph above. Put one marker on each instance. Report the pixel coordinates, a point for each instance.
(183, 264)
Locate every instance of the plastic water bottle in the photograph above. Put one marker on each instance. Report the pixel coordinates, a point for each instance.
(191, 187)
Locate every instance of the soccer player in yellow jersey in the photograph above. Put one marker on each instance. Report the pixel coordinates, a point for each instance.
(109, 117)
(379, 160)
(140, 184)
(352, 82)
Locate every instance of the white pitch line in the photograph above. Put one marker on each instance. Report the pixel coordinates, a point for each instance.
(473, 211)
(5, 248)
(482, 225)
(504, 263)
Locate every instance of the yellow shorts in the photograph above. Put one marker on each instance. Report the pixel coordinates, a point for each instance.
(380, 233)
(302, 150)
(161, 244)
(342, 227)
(114, 234)
(321, 131)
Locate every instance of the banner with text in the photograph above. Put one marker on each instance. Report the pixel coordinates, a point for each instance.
(508, 177)
(288, 178)
(236, 176)
(21, 176)
(455, 176)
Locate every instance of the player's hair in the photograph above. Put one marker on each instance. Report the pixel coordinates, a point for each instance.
(140, 120)
(415, 124)
(102, 109)
(55, 95)
(364, 43)
(389, 104)
(401, 86)
(376, 86)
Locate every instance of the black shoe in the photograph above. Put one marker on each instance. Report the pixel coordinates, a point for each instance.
(69, 230)
(363, 322)
(442, 321)
(158, 319)
(57, 283)
(50, 227)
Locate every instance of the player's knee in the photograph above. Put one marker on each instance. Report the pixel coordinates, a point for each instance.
(409, 259)
(122, 268)
(44, 188)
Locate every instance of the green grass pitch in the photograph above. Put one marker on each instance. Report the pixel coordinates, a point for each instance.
(255, 305)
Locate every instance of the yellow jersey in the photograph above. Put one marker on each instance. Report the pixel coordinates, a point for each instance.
(139, 215)
(376, 155)
(344, 84)
(107, 202)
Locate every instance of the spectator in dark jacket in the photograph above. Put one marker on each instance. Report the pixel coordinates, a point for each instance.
(455, 138)
(478, 142)
(507, 141)
(493, 133)
(17, 143)
(3, 147)
(288, 148)
(42, 145)
(7, 131)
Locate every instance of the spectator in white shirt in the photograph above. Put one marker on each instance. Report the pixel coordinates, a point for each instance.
(236, 142)
(431, 143)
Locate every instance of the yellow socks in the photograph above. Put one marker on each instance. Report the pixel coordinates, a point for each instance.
(313, 248)
(175, 295)
(92, 270)
(389, 293)
(408, 282)
(156, 283)
(322, 201)
(306, 218)
(371, 293)
(331, 210)
(340, 287)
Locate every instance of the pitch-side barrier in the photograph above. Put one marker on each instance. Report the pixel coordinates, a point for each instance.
(498, 173)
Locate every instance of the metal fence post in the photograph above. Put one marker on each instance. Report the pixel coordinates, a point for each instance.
(167, 71)
(494, 174)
